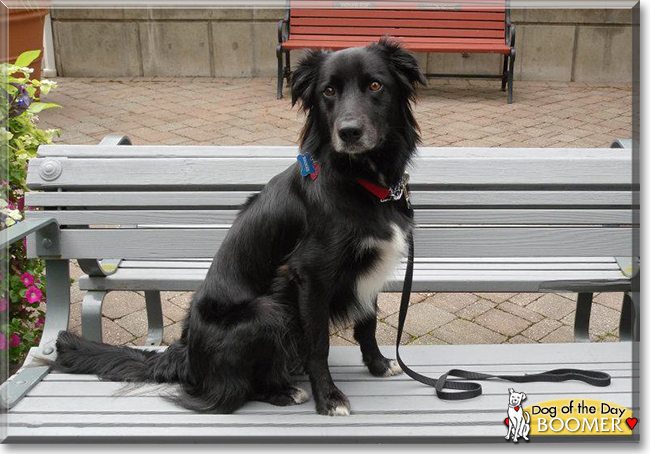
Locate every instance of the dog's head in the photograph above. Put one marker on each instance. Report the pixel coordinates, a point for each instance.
(515, 397)
(357, 98)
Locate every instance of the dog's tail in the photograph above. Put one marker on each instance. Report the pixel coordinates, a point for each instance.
(119, 363)
(527, 417)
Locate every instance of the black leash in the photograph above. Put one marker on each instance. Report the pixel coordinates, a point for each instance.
(459, 389)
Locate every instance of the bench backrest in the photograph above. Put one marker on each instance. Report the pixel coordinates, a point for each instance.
(481, 21)
(178, 201)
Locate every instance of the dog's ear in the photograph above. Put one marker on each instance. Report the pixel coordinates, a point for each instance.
(303, 79)
(403, 63)
(510, 390)
(523, 396)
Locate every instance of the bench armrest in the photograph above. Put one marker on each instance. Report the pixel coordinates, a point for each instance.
(47, 235)
(283, 30)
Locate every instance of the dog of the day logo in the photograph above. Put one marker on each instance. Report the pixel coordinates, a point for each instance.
(573, 416)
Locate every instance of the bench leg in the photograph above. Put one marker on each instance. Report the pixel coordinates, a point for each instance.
(628, 328)
(58, 316)
(91, 315)
(511, 73)
(583, 314)
(280, 71)
(154, 318)
(504, 77)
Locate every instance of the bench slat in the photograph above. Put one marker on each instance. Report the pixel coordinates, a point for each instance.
(398, 14)
(431, 242)
(216, 199)
(352, 388)
(422, 216)
(413, 46)
(395, 32)
(251, 173)
(399, 23)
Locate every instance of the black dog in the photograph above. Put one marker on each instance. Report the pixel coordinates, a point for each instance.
(304, 251)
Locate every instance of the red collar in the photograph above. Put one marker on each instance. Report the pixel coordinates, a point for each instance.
(378, 191)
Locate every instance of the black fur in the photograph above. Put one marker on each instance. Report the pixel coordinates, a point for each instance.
(292, 259)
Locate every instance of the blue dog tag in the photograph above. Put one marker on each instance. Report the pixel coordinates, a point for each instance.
(307, 164)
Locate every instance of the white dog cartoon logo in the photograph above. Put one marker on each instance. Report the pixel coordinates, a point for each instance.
(518, 420)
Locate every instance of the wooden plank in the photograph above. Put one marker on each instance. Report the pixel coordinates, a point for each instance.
(412, 46)
(396, 32)
(250, 173)
(398, 23)
(421, 264)
(419, 199)
(422, 217)
(431, 242)
(360, 404)
(268, 151)
(412, 39)
(352, 388)
(398, 14)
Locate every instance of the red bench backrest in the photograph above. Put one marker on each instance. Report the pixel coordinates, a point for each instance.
(422, 20)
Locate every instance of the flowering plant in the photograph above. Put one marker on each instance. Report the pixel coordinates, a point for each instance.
(22, 303)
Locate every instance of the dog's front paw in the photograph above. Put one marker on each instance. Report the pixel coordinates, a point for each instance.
(383, 367)
(336, 404)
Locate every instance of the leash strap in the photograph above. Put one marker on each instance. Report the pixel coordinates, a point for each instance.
(450, 389)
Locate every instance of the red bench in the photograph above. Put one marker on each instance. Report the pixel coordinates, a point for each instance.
(455, 26)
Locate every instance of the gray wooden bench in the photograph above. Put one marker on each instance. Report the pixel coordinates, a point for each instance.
(488, 220)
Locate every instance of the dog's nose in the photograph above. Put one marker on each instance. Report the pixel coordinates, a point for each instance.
(350, 132)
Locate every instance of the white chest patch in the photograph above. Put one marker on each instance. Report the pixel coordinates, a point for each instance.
(370, 283)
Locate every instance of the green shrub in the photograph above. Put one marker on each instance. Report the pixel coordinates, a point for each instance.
(22, 302)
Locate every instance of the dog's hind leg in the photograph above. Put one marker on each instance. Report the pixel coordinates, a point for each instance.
(282, 396)
(365, 335)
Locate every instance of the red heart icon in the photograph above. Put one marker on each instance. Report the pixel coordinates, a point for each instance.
(631, 422)
(516, 408)
(507, 421)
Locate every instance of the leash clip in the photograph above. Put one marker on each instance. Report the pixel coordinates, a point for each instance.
(399, 190)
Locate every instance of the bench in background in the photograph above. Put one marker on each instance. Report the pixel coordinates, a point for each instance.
(502, 220)
(459, 26)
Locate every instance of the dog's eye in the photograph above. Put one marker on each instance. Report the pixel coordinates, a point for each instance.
(329, 91)
(375, 86)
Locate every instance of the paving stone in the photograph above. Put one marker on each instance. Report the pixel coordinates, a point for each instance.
(564, 334)
(610, 299)
(452, 302)
(386, 335)
(523, 299)
(114, 334)
(173, 312)
(428, 339)
(388, 303)
(496, 297)
(475, 309)
(519, 339)
(182, 299)
(552, 305)
(603, 320)
(119, 304)
(521, 312)
(422, 318)
(338, 340)
(172, 333)
(502, 322)
(541, 329)
(463, 332)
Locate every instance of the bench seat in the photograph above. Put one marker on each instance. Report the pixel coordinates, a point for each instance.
(79, 408)
(440, 275)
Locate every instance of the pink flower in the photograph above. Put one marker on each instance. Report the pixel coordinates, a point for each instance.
(3, 304)
(15, 340)
(3, 342)
(33, 295)
(39, 323)
(27, 279)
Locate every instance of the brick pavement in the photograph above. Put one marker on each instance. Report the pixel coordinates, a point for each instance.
(450, 112)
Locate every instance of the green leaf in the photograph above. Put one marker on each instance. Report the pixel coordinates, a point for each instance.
(26, 58)
(36, 107)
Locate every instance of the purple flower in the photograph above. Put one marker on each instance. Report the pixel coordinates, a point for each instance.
(39, 323)
(27, 279)
(3, 342)
(15, 340)
(33, 295)
(3, 304)
(20, 102)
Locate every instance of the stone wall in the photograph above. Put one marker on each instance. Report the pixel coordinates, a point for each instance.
(552, 45)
